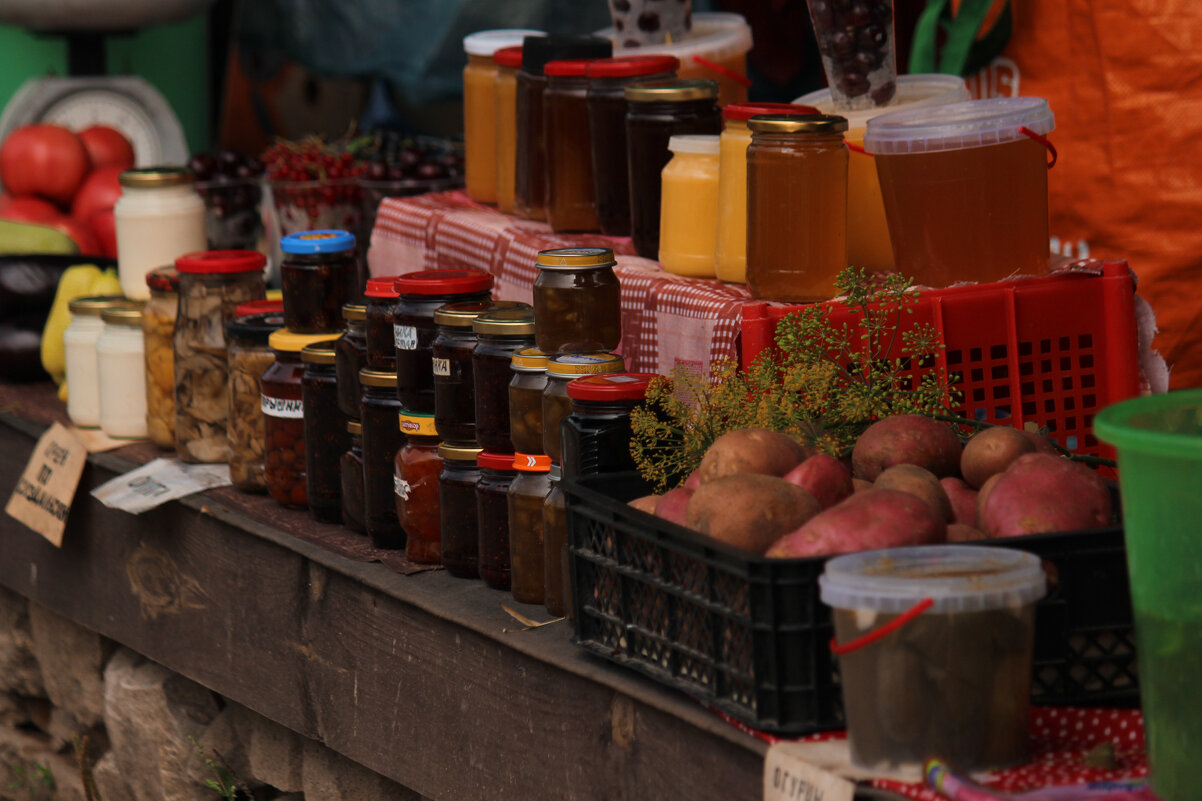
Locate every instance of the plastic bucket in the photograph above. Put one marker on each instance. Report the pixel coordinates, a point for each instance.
(935, 649)
(1159, 443)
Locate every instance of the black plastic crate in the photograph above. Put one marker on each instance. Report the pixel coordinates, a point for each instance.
(750, 635)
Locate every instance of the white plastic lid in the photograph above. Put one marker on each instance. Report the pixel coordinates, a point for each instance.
(958, 578)
(913, 91)
(485, 43)
(973, 123)
(716, 35)
(706, 144)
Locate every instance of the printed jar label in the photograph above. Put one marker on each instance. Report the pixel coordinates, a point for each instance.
(280, 407)
(442, 367)
(401, 486)
(405, 337)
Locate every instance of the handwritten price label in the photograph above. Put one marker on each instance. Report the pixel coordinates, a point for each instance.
(788, 778)
(44, 492)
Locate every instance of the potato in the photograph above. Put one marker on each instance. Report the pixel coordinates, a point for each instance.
(859, 484)
(749, 511)
(645, 503)
(906, 439)
(920, 483)
(982, 496)
(1042, 443)
(824, 477)
(991, 451)
(875, 518)
(693, 481)
(673, 505)
(1040, 493)
(962, 532)
(750, 450)
(963, 499)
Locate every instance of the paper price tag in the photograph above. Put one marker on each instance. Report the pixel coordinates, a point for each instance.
(789, 778)
(159, 481)
(44, 492)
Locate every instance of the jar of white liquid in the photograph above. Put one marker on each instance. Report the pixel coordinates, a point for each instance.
(159, 217)
(122, 373)
(79, 353)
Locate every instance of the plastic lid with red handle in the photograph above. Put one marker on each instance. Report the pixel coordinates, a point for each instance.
(221, 261)
(508, 57)
(568, 68)
(632, 66)
(382, 287)
(494, 461)
(443, 282)
(610, 387)
(745, 111)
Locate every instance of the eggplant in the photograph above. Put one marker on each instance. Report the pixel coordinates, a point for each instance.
(21, 348)
(28, 282)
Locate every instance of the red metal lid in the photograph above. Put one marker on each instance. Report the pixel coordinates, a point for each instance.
(382, 287)
(443, 282)
(494, 461)
(531, 462)
(508, 56)
(163, 279)
(568, 68)
(631, 66)
(259, 307)
(610, 387)
(745, 111)
(221, 261)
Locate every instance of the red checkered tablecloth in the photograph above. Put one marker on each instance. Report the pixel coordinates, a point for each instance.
(666, 319)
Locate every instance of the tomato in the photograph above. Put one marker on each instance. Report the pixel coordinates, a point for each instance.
(100, 191)
(82, 234)
(107, 147)
(46, 160)
(105, 228)
(26, 208)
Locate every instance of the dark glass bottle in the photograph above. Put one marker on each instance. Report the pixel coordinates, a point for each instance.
(382, 438)
(351, 358)
(492, 512)
(326, 438)
(457, 508)
(318, 275)
(499, 335)
(380, 297)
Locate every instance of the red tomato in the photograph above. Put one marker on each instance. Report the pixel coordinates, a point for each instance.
(82, 234)
(105, 229)
(107, 147)
(27, 208)
(46, 160)
(100, 191)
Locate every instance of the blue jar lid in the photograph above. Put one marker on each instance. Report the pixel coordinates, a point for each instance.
(313, 242)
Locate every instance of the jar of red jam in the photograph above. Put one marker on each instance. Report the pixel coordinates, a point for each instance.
(526, 495)
(326, 439)
(595, 437)
(352, 479)
(555, 546)
(380, 297)
(556, 404)
(420, 294)
(492, 515)
(318, 275)
(350, 358)
(526, 386)
(416, 470)
(499, 335)
(457, 508)
(382, 439)
(283, 418)
(577, 301)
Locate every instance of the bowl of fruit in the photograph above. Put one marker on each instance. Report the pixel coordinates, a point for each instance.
(314, 184)
(231, 185)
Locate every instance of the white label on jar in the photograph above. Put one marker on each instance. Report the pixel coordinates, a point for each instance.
(401, 486)
(442, 367)
(405, 336)
(282, 407)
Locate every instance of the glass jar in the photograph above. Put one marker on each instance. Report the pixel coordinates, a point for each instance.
(570, 197)
(457, 508)
(378, 322)
(730, 255)
(211, 286)
(577, 301)
(79, 355)
(555, 547)
(121, 369)
(499, 335)
(382, 441)
(249, 358)
(656, 112)
(283, 418)
(261, 306)
(158, 326)
(352, 479)
(319, 274)
(350, 358)
(606, 99)
(556, 404)
(417, 468)
(529, 368)
(525, 497)
(325, 432)
(159, 217)
(414, 331)
(595, 437)
(690, 206)
(796, 207)
(492, 514)
(505, 92)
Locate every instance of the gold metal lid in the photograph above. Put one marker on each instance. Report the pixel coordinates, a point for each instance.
(797, 123)
(93, 305)
(574, 364)
(287, 340)
(672, 91)
(377, 378)
(354, 427)
(574, 258)
(529, 360)
(459, 451)
(319, 352)
(130, 316)
(464, 313)
(154, 177)
(505, 322)
(354, 311)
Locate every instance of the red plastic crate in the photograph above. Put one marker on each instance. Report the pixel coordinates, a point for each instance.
(1051, 350)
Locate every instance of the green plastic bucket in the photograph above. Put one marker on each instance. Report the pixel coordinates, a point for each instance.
(1159, 444)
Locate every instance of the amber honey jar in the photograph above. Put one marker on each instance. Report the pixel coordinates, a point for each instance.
(571, 204)
(577, 301)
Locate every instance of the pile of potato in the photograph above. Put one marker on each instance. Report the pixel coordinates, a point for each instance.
(910, 482)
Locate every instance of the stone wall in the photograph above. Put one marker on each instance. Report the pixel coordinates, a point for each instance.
(147, 734)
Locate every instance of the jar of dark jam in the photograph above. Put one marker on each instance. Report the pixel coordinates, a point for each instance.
(351, 357)
(326, 439)
(415, 483)
(606, 100)
(352, 479)
(499, 335)
(570, 198)
(595, 437)
(555, 547)
(420, 294)
(457, 508)
(283, 418)
(382, 438)
(526, 386)
(577, 301)
(556, 404)
(492, 514)
(318, 275)
(656, 112)
(526, 495)
(249, 358)
(380, 297)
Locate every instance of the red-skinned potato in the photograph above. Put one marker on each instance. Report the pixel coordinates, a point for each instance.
(991, 451)
(906, 439)
(963, 499)
(693, 482)
(919, 482)
(749, 510)
(645, 503)
(824, 477)
(982, 496)
(859, 484)
(962, 532)
(750, 450)
(1042, 444)
(1040, 493)
(673, 505)
(876, 518)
